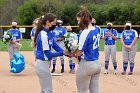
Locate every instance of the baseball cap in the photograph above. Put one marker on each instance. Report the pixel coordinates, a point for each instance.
(128, 24)
(14, 23)
(59, 21)
(110, 24)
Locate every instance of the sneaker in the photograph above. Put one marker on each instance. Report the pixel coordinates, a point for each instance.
(130, 73)
(70, 71)
(106, 72)
(62, 70)
(123, 73)
(53, 70)
(115, 72)
(73, 71)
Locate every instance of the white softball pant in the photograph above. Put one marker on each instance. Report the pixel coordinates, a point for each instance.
(87, 76)
(45, 78)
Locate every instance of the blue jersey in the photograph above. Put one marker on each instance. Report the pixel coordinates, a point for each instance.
(44, 42)
(32, 34)
(16, 34)
(128, 36)
(58, 32)
(109, 40)
(89, 44)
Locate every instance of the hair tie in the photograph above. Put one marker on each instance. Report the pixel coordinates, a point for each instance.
(42, 16)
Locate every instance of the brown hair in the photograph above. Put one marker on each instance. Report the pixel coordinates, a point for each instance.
(85, 17)
(42, 22)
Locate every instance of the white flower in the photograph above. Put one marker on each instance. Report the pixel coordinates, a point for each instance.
(72, 35)
(75, 42)
(68, 45)
(7, 36)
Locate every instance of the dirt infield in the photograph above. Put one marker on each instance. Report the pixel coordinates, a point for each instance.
(27, 81)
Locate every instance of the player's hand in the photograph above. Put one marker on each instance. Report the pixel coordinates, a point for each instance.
(68, 54)
(78, 53)
(13, 41)
(108, 33)
(128, 47)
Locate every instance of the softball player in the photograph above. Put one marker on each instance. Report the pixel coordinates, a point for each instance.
(110, 37)
(58, 32)
(12, 46)
(129, 47)
(44, 42)
(87, 76)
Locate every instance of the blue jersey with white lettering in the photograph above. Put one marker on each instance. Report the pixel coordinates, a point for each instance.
(109, 40)
(89, 44)
(58, 32)
(44, 42)
(32, 34)
(16, 34)
(128, 36)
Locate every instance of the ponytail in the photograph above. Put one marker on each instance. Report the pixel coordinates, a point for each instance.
(85, 17)
(42, 22)
(38, 30)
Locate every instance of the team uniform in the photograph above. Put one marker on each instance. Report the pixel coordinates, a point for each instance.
(110, 49)
(87, 76)
(13, 48)
(58, 32)
(32, 34)
(44, 45)
(129, 55)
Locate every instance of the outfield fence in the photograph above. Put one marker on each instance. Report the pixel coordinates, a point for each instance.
(26, 29)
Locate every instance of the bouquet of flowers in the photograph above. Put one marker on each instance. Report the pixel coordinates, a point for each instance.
(71, 42)
(7, 38)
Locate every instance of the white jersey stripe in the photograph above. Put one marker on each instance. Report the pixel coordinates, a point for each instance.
(83, 36)
(44, 39)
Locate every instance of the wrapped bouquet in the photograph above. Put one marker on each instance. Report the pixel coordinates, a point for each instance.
(8, 37)
(71, 42)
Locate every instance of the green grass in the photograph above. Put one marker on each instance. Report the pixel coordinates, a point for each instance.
(26, 45)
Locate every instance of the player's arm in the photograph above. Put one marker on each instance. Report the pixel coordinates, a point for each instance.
(105, 35)
(122, 40)
(82, 44)
(114, 35)
(46, 48)
(135, 39)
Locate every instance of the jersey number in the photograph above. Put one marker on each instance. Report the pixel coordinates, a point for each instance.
(96, 40)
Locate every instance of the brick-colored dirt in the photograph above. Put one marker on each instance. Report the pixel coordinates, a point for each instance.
(27, 81)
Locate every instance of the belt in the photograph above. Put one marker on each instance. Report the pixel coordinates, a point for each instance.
(109, 44)
(83, 60)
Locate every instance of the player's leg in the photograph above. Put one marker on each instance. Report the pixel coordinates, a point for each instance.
(71, 65)
(107, 51)
(132, 54)
(16, 50)
(82, 78)
(54, 64)
(125, 54)
(45, 79)
(113, 57)
(94, 82)
(11, 51)
(62, 63)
